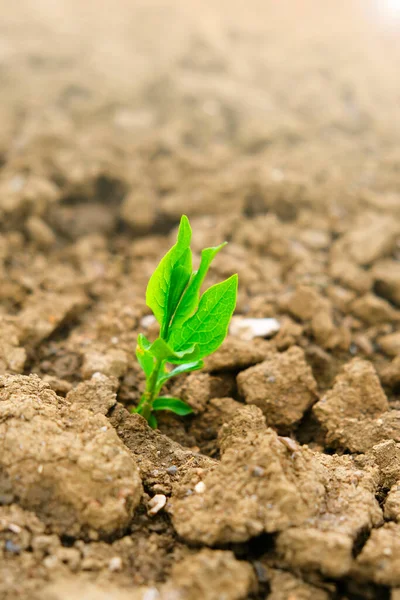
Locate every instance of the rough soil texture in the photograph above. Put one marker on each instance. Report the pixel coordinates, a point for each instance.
(274, 126)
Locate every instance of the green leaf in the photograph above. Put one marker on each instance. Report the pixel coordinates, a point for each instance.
(180, 277)
(161, 293)
(183, 368)
(163, 351)
(153, 421)
(190, 299)
(179, 407)
(208, 327)
(143, 355)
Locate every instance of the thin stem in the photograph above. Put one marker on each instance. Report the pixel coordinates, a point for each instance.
(151, 390)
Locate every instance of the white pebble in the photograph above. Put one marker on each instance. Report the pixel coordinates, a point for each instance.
(250, 328)
(151, 594)
(115, 563)
(147, 321)
(156, 504)
(200, 487)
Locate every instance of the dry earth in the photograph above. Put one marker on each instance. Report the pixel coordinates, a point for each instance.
(276, 126)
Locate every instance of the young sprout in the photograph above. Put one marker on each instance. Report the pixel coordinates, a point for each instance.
(191, 327)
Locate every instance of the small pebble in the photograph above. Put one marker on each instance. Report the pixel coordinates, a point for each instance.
(258, 471)
(249, 328)
(115, 563)
(172, 470)
(147, 321)
(12, 548)
(151, 594)
(156, 504)
(289, 443)
(200, 487)
(261, 572)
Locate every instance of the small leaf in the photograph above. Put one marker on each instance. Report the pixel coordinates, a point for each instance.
(208, 327)
(153, 421)
(190, 299)
(180, 276)
(163, 351)
(143, 355)
(175, 405)
(159, 288)
(183, 368)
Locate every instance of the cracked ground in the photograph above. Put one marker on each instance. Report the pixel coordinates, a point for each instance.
(274, 126)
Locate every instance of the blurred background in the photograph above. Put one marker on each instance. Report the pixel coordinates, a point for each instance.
(147, 109)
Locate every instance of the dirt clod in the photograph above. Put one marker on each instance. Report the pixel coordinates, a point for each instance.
(237, 354)
(12, 355)
(40, 430)
(285, 586)
(208, 575)
(379, 560)
(262, 485)
(282, 386)
(355, 413)
(97, 394)
(155, 453)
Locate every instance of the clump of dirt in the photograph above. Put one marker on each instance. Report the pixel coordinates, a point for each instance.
(356, 413)
(282, 386)
(265, 483)
(64, 462)
(161, 461)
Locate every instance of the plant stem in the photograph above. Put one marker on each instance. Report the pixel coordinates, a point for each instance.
(151, 390)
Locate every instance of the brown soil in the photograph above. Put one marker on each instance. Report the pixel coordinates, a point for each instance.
(274, 125)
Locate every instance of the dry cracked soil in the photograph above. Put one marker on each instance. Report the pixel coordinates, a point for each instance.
(274, 126)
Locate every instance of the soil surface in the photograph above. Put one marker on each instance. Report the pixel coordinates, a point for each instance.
(275, 126)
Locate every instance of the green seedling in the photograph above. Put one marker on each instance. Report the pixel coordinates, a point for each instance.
(191, 327)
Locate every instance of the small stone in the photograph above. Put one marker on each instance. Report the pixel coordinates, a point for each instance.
(172, 470)
(289, 443)
(156, 504)
(258, 471)
(200, 487)
(250, 328)
(11, 547)
(115, 563)
(147, 321)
